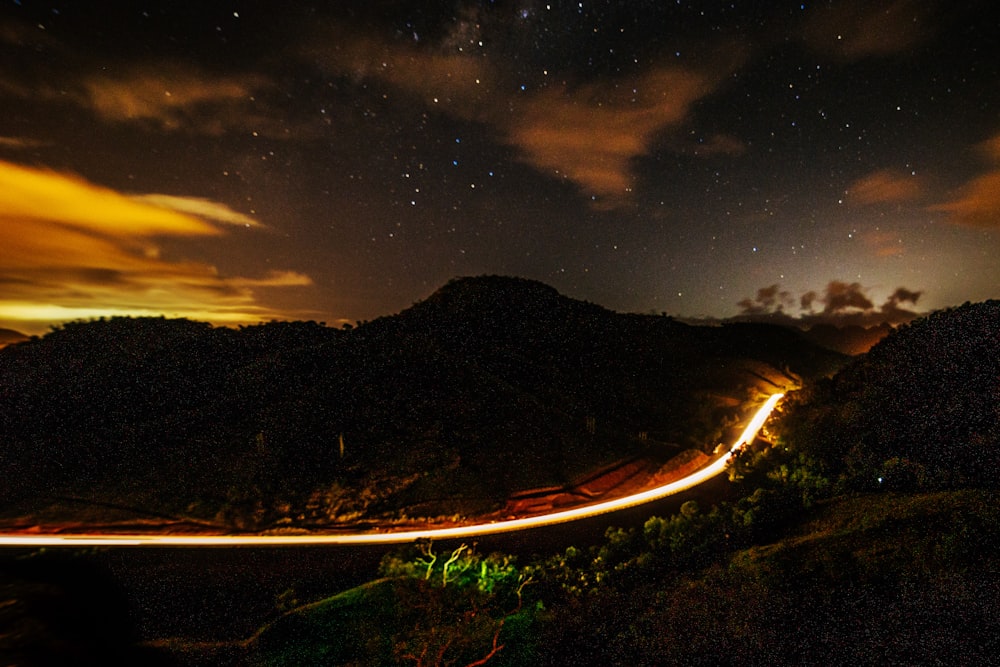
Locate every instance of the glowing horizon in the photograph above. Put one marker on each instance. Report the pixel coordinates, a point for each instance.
(76, 249)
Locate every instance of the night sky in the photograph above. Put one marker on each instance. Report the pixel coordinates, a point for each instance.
(237, 162)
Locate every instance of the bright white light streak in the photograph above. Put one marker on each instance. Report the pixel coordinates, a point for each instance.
(695, 478)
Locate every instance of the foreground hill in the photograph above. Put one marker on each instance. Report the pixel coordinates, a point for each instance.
(880, 578)
(810, 560)
(490, 386)
(920, 410)
(894, 578)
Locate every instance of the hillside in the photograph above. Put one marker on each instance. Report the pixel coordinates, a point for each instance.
(810, 560)
(901, 578)
(867, 536)
(920, 410)
(489, 387)
(904, 578)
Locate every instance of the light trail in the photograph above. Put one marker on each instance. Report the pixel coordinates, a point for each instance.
(695, 478)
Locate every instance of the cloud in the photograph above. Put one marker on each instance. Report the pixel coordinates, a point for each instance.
(990, 149)
(590, 134)
(841, 303)
(903, 295)
(171, 96)
(201, 208)
(807, 300)
(843, 297)
(977, 203)
(458, 83)
(274, 279)
(586, 133)
(20, 143)
(883, 244)
(884, 186)
(48, 197)
(856, 30)
(76, 249)
(771, 299)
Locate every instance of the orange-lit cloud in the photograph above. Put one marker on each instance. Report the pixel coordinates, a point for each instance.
(75, 249)
(977, 203)
(590, 134)
(168, 95)
(991, 148)
(586, 134)
(856, 30)
(883, 244)
(196, 206)
(453, 82)
(42, 195)
(885, 186)
(19, 142)
(172, 97)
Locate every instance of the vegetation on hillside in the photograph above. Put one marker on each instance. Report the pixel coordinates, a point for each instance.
(921, 410)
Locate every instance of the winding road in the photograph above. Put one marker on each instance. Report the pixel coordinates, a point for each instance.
(118, 540)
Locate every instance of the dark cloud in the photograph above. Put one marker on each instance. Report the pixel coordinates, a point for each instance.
(771, 299)
(843, 297)
(843, 304)
(893, 311)
(903, 295)
(852, 31)
(807, 300)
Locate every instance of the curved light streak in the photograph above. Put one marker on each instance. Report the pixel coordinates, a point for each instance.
(695, 478)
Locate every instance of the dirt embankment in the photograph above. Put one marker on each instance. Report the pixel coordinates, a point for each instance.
(617, 480)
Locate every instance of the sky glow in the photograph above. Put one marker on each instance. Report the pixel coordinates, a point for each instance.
(340, 161)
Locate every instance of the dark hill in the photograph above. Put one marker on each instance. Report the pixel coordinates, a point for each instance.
(922, 408)
(490, 386)
(9, 336)
(852, 340)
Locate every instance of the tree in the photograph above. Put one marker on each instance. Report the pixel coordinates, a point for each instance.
(460, 605)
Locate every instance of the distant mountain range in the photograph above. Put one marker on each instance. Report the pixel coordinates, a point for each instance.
(490, 386)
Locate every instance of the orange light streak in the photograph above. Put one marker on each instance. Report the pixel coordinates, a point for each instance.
(695, 478)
